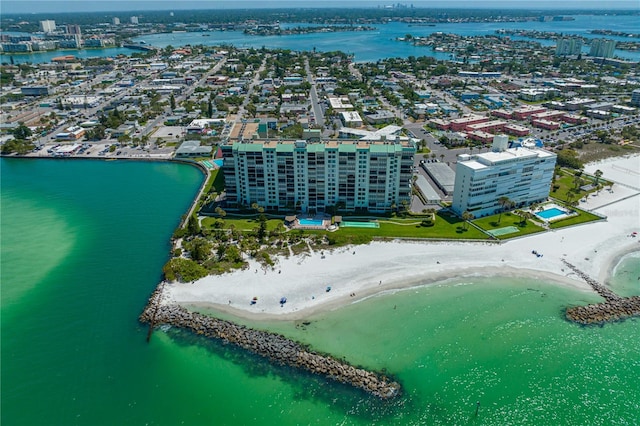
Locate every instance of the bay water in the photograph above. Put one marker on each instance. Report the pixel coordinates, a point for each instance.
(367, 46)
(82, 246)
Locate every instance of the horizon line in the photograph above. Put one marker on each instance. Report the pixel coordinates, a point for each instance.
(38, 7)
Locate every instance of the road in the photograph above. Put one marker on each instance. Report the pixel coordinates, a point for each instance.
(313, 94)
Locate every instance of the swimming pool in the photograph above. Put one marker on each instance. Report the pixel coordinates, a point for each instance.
(219, 163)
(360, 225)
(551, 213)
(310, 222)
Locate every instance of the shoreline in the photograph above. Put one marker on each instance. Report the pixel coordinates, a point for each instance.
(400, 286)
(356, 273)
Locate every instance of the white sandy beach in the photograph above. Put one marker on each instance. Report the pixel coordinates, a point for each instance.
(361, 271)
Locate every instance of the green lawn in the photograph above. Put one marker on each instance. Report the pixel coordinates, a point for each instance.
(491, 223)
(445, 227)
(567, 190)
(240, 224)
(583, 217)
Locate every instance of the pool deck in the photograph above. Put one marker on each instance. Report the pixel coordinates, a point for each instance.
(325, 222)
(550, 206)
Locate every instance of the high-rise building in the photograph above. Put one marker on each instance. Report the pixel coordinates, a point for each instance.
(521, 174)
(635, 97)
(568, 46)
(312, 176)
(48, 26)
(74, 30)
(602, 48)
(134, 19)
(115, 21)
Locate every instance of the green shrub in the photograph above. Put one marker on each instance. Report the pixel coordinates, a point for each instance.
(183, 270)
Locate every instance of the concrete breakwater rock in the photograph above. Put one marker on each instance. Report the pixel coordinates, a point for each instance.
(600, 313)
(615, 308)
(275, 347)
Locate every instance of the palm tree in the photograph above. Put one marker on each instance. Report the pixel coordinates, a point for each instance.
(598, 175)
(466, 216)
(505, 203)
(526, 215)
(569, 196)
(577, 181)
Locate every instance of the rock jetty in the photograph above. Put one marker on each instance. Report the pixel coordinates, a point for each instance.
(600, 313)
(615, 308)
(272, 346)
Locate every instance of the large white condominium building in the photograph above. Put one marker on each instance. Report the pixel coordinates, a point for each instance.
(312, 176)
(48, 26)
(521, 174)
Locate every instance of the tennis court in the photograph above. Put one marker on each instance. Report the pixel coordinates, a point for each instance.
(360, 225)
(504, 231)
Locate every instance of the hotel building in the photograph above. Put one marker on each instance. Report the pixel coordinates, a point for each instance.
(521, 174)
(311, 176)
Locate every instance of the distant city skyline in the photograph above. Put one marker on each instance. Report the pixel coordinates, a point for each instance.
(57, 6)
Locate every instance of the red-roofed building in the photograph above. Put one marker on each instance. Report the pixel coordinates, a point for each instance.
(546, 124)
(459, 124)
(526, 111)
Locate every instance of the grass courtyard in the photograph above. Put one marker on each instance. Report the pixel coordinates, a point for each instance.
(508, 219)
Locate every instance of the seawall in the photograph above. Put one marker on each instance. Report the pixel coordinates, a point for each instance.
(272, 346)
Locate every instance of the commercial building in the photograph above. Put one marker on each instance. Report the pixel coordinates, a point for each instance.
(351, 119)
(461, 123)
(525, 111)
(487, 126)
(545, 124)
(71, 133)
(34, 90)
(193, 149)
(340, 104)
(314, 176)
(521, 174)
(516, 130)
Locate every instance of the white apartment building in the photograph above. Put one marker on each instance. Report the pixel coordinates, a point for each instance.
(568, 46)
(48, 26)
(312, 176)
(602, 48)
(521, 174)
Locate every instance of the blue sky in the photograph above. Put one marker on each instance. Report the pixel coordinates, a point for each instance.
(53, 6)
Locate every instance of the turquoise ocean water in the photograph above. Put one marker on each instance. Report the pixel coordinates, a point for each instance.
(82, 245)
